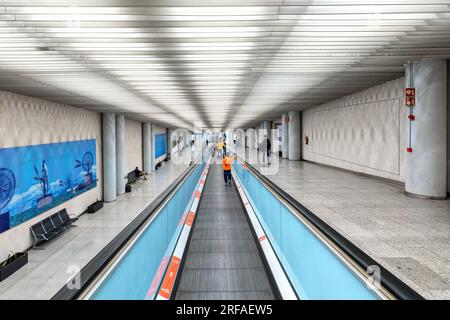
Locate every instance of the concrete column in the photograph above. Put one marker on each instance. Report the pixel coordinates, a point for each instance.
(294, 136)
(187, 139)
(267, 127)
(109, 157)
(120, 154)
(240, 138)
(285, 135)
(426, 165)
(257, 140)
(147, 146)
(276, 144)
(229, 140)
(169, 143)
(251, 138)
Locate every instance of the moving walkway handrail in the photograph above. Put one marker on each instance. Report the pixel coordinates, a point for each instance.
(94, 267)
(389, 281)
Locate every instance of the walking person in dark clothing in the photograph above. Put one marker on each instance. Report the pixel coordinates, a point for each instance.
(266, 148)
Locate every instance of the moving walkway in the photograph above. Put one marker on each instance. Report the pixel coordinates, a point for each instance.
(203, 240)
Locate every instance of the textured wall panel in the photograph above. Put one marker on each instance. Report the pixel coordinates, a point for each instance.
(363, 132)
(448, 126)
(133, 145)
(28, 121)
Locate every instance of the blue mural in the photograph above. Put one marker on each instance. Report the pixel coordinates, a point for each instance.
(36, 178)
(160, 145)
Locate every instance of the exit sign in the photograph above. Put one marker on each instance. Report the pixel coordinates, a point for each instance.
(410, 92)
(410, 97)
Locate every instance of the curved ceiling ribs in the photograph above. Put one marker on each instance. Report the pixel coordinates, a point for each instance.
(226, 63)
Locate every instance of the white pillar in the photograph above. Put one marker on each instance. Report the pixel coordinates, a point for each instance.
(257, 138)
(240, 137)
(187, 139)
(229, 140)
(169, 143)
(426, 165)
(276, 144)
(147, 146)
(267, 127)
(285, 135)
(120, 154)
(109, 157)
(251, 138)
(260, 132)
(294, 135)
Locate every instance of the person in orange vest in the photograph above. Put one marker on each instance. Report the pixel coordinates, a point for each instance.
(227, 161)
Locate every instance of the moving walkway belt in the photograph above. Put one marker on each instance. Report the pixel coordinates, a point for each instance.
(223, 259)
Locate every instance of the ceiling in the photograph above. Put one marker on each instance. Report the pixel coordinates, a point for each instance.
(227, 63)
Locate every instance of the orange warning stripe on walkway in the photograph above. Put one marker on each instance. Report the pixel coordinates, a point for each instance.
(198, 194)
(190, 218)
(202, 182)
(169, 279)
(262, 238)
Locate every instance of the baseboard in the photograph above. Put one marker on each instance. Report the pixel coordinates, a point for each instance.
(381, 179)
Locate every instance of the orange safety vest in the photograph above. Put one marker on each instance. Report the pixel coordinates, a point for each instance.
(226, 163)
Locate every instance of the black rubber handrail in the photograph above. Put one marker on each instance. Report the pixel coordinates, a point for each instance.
(89, 272)
(395, 286)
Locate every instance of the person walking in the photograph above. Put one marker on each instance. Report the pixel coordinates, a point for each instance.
(219, 148)
(266, 148)
(227, 161)
(224, 147)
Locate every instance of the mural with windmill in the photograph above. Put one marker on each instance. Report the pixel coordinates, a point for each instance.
(34, 179)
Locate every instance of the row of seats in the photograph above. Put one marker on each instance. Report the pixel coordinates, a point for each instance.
(51, 226)
(58, 222)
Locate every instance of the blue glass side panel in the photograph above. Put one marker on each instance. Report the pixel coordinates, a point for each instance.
(314, 270)
(135, 276)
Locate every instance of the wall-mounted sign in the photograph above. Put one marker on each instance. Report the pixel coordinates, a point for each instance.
(410, 97)
(410, 92)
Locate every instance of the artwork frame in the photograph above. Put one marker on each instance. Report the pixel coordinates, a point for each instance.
(36, 178)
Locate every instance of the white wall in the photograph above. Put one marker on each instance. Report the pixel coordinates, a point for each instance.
(364, 132)
(28, 121)
(448, 126)
(133, 145)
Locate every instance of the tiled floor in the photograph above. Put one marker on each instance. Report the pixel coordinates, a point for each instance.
(408, 236)
(48, 270)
